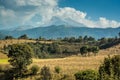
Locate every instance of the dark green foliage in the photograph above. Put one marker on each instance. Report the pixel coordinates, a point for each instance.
(9, 37)
(84, 50)
(119, 34)
(95, 49)
(34, 69)
(86, 75)
(20, 56)
(57, 69)
(41, 38)
(23, 37)
(110, 69)
(79, 39)
(46, 73)
(87, 49)
(54, 48)
(46, 50)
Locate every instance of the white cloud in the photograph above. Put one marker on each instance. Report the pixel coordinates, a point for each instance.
(108, 23)
(23, 12)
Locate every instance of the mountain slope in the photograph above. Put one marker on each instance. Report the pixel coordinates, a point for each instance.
(65, 31)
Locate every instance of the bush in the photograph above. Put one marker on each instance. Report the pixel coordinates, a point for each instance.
(110, 69)
(34, 69)
(86, 75)
(57, 69)
(46, 73)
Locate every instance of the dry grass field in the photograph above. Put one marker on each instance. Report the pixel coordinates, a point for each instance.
(72, 64)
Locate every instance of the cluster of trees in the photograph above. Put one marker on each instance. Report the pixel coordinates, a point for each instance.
(55, 50)
(86, 40)
(79, 39)
(85, 50)
(108, 42)
(24, 36)
(42, 50)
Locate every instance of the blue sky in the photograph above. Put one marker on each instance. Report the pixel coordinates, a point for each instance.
(95, 8)
(39, 13)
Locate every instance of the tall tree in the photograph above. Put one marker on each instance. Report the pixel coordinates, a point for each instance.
(20, 56)
(84, 50)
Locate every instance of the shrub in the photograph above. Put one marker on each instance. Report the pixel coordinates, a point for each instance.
(57, 69)
(86, 75)
(46, 73)
(34, 69)
(110, 69)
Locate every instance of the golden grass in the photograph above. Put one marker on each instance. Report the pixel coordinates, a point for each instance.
(4, 61)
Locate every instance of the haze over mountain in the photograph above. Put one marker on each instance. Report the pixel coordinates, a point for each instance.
(63, 31)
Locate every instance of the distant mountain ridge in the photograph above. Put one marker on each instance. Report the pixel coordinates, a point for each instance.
(64, 31)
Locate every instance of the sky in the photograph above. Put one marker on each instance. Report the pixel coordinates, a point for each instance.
(40, 13)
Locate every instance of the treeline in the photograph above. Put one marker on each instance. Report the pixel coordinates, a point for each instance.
(60, 49)
(84, 46)
(102, 42)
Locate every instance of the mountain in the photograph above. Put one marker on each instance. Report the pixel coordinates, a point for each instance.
(64, 31)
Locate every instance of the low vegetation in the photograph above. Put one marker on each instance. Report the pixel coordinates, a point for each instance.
(86, 75)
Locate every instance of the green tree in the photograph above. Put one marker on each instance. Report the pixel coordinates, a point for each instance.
(9, 37)
(54, 48)
(23, 37)
(119, 34)
(84, 50)
(103, 41)
(91, 39)
(110, 69)
(85, 38)
(79, 39)
(20, 56)
(95, 49)
(41, 38)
